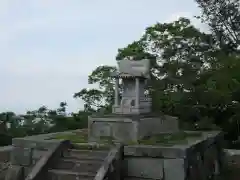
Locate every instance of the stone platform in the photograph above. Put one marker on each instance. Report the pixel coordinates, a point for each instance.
(197, 159)
(196, 155)
(125, 128)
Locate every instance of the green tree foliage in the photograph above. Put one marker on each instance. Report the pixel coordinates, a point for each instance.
(42, 120)
(195, 74)
(222, 17)
(99, 99)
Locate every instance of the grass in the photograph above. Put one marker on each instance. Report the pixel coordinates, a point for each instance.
(166, 139)
(92, 146)
(169, 139)
(81, 139)
(75, 138)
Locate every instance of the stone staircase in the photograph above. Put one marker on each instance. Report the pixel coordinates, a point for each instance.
(64, 160)
(77, 164)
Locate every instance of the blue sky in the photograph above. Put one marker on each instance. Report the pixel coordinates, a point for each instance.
(49, 47)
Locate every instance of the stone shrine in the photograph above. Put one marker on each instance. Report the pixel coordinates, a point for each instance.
(134, 75)
(131, 117)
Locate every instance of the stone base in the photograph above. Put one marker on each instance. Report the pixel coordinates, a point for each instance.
(199, 159)
(131, 110)
(125, 128)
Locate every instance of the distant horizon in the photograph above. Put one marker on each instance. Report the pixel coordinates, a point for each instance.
(48, 48)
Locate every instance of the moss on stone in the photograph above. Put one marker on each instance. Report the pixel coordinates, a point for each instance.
(74, 138)
(168, 139)
(107, 139)
(92, 146)
(82, 138)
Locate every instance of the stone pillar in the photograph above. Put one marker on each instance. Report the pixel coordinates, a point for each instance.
(137, 93)
(116, 102)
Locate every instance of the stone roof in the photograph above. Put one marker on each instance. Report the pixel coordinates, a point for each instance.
(129, 68)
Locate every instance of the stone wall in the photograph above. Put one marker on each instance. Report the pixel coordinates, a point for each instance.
(232, 163)
(197, 160)
(156, 125)
(28, 150)
(121, 129)
(127, 129)
(5, 153)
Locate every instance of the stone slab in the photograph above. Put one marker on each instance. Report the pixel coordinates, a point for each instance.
(125, 129)
(157, 125)
(37, 154)
(120, 130)
(174, 169)
(5, 153)
(15, 173)
(27, 170)
(155, 151)
(21, 156)
(196, 160)
(133, 117)
(37, 144)
(68, 175)
(78, 165)
(149, 168)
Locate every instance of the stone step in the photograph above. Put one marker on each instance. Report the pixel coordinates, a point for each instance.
(78, 165)
(85, 154)
(54, 174)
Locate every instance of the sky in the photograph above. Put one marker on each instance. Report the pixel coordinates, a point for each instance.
(49, 47)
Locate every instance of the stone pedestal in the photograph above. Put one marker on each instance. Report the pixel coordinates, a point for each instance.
(125, 128)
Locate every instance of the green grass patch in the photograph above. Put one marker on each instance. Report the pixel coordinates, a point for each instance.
(166, 139)
(107, 139)
(169, 139)
(82, 138)
(80, 141)
(74, 138)
(92, 146)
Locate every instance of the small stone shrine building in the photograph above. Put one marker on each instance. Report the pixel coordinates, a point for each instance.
(131, 117)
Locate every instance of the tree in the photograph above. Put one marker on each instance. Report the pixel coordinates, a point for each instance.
(179, 52)
(223, 17)
(101, 98)
(187, 72)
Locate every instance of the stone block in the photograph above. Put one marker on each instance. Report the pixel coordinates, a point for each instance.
(148, 126)
(15, 172)
(5, 153)
(155, 151)
(37, 154)
(119, 129)
(174, 169)
(78, 165)
(68, 175)
(21, 156)
(36, 144)
(130, 128)
(192, 161)
(149, 168)
(27, 170)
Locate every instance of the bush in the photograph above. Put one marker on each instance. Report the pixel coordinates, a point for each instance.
(5, 140)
